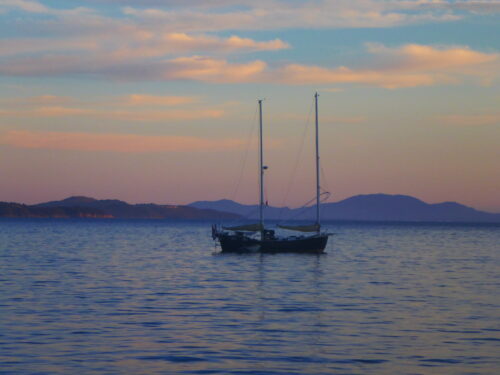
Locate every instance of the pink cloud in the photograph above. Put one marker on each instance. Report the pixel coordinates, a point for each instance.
(471, 120)
(213, 70)
(406, 66)
(116, 114)
(172, 115)
(115, 142)
(135, 43)
(147, 100)
(46, 99)
(416, 57)
(26, 5)
(183, 41)
(303, 74)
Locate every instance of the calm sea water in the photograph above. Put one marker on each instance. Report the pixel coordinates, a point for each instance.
(153, 297)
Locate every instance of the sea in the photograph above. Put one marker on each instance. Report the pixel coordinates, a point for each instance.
(158, 297)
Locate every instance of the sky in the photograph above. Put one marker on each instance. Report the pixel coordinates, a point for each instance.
(156, 100)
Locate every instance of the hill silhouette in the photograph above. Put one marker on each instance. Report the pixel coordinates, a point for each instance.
(79, 206)
(371, 207)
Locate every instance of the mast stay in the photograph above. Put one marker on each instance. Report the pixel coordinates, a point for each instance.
(316, 227)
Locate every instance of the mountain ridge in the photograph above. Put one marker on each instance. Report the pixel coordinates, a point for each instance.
(367, 207)
(86, 207)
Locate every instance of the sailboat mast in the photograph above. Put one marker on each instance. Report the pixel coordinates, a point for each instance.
(317, 163)
(261, 171)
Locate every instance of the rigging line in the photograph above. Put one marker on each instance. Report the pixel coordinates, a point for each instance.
(305, 207)
(245, 156)
(325, 181)
(297, 160)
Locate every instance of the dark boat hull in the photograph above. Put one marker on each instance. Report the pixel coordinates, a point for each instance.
(232, 243)
(313, 245)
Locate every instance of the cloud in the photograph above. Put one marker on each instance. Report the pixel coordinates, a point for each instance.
(172, 115)
(417, 57)
(25, 5)
(176, 40)
(470, 120)
(384, 4)
(116, 114)
(31, 6)
(135, 100)
(149, 100)
(135, 107)
(58, 112)
(183, 42)
(31, 46)
(410, 65)
(46, 99)
(207, 69)
(457, 5)
(134, 45)
(304, 74)
(163, 17)
(115, 142)
(202, 17)
(272, 15)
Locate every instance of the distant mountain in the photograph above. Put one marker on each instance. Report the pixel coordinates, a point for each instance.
(247, 211)
(8, 209)
(372, 207)
(110, 208)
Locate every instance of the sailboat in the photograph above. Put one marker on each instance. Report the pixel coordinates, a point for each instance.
(256, 238)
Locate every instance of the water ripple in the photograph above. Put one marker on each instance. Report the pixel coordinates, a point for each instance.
(152, 297)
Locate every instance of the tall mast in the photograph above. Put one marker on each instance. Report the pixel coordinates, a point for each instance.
(317, 162)
(261, 171)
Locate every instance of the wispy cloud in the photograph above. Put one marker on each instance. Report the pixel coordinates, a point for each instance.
(223, 15)
(135, 107)
(406, 66)
(136, 44)
(176, 40)
(457, 5)
(207, 69)
(390, 67)
(271, 15)
(417, 57)
(115, 142)
(25, 5)
(156, 100)
(113, 114)
(470, 120)
(46, 99)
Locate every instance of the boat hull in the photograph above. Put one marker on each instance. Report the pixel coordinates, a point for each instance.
(313, 245)
(232, 243)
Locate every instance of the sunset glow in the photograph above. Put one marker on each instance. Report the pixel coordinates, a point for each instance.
(155, 101)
